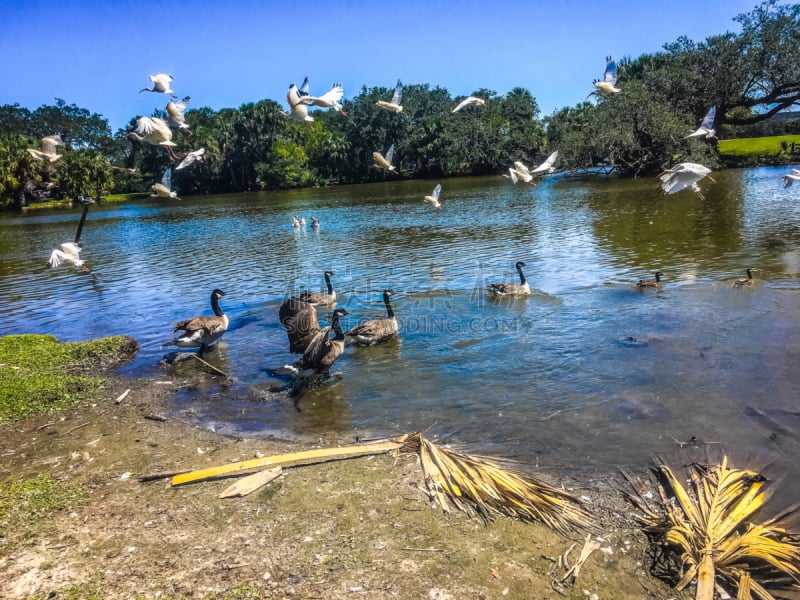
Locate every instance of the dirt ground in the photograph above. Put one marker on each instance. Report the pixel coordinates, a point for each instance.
(358, 528)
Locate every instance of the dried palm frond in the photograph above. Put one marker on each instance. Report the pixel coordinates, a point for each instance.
(707, 525)
(484, 487)
(470, 484)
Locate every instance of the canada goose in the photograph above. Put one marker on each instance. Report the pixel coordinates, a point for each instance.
(684, 175)
(321, 299)
(190, 158)
(69, 254)
(299, 318)
(385, 162)
(164, 188)
(161, 84)
(788, 179)
(327, 100)
(323, 351)
(376, 330)
(707, 126)
(397, 97)
(154, 131)
(298, 110)
(468, 101)
(746, 281)
(48, 153)
(201, 332)
(175, 116)
(433, 199)
(608, 85)
(512, 289)
(295, 222)
(315, 222)
(650, 283)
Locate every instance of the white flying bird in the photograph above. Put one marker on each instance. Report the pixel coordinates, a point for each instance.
(684, 175)
(385, 162)
(164, 189)
(519, 172)
(48, 153)
(397, 98)
(707, 126)
(190, 158)
(433, 199)
(608, 85)
(547, 165)
(175, 112)
(298, 110)
(467, 101)
(329, 99)
(790, 178)
(161, 84)
(155, 131)
(69, 254)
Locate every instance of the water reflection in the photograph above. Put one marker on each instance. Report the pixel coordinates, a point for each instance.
(586, 373)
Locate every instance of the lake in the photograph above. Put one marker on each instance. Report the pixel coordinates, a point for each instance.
(585, 376)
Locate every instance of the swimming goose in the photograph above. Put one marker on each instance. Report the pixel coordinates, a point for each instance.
(201, 332)
(684, 175)
(376, 330)
(650, 283)
(48, 153)
(315, 222)
(707, 126)
(788, 179)
(323, 350)
(321, 299)
(175, 116)
(468, 101)
(160, 84)
(397, 97)
(190, 158)
(298, 110)
(385, 162)
(154, 131)
(608, 85)
(164, 189)
(69, 254)
(299, 318)
(433, 199)
(746, 281)
(512, 289)
(328, 99)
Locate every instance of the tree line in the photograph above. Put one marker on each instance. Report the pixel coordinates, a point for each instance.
(749, 76)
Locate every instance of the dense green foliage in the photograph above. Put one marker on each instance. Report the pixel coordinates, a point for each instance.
(749, 76)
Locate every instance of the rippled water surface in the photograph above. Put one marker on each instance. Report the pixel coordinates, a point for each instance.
(587, 373)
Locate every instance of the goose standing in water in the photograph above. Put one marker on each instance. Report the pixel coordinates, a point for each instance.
(746, 281)
(161, 84)
(397, 97)
(512, 289)
(323, 350)
(69, 254)
(644, 284)
(376, 330)
(299, 318)
(201, 332)
(321, 299)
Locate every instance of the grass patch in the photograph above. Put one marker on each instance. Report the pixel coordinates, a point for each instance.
(22, 502)
(37, 372)
(761, 146)
(125, 197)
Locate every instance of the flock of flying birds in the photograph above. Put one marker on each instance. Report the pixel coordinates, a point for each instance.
(298, 314)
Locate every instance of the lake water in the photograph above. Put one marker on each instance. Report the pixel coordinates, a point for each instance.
(583, 377)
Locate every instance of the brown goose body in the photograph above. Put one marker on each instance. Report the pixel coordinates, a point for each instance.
(376, 330)
(745, 281)
(323, 350)
(201, 332)
(321, 299)
(301, 323)
(512, 289)
(644, 284)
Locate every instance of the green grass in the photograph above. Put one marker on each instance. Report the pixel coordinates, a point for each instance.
(755, 147)
(38, 373)
(27, 500)
(125, 197)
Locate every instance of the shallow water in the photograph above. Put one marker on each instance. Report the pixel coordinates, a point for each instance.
(586, 374)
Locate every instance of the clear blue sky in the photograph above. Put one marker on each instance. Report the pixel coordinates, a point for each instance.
(224, 53)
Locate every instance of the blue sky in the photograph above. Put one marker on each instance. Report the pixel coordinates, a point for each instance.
(224, 53)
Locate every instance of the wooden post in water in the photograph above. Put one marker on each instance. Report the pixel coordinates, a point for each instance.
(82, 221)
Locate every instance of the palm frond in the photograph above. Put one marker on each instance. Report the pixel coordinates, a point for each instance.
(707, 526)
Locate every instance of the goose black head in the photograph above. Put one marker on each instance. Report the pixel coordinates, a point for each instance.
(218, 293)
(519, 264)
